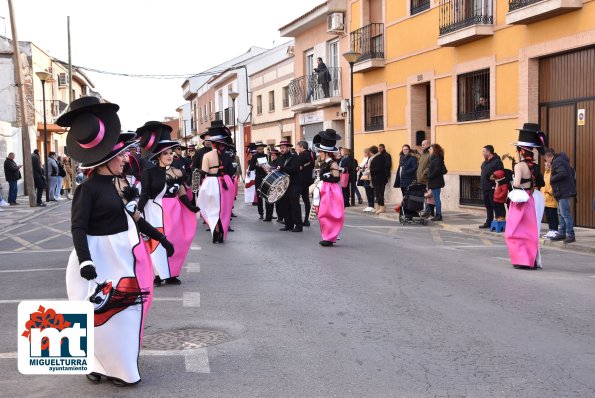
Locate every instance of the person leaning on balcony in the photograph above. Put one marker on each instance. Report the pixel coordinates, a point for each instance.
(323, 76)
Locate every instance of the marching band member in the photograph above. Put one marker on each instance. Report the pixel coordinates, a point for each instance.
(107, 244)
(289, 204)
(256, 166)
(215, 197)
(328, 195)
(167, 207)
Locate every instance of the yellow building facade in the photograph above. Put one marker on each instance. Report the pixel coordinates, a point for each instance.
(465, 74)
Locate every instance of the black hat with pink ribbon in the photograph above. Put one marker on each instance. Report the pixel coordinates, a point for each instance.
(94, 128)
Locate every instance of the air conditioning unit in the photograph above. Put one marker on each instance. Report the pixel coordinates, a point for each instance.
(335, 23)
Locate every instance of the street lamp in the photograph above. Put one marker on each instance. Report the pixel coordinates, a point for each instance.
(351, 57)
(45, 77)
(233, 95)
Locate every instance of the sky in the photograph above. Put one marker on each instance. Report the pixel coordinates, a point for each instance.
(150, 37)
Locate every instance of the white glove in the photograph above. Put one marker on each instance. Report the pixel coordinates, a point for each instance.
(131, 206)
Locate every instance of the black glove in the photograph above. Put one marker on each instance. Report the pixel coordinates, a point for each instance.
(186, 202)
(88, 270)
(167, 245)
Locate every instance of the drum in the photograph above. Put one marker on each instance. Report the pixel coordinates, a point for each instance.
(274, 186)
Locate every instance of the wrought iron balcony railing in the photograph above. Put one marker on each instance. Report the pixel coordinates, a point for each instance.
(369, 42)
(516, 4)
(228, 116)
(459, 14)
(319, 85)
(418, 6)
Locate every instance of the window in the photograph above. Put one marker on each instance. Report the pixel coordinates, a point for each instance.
(211, 110)
(205, 112)
(259, 104)
(309, 63)
(418, 6)
(473, 97)
(333, 54)
(470, 191)
(271, 101)
(374, 110)
(286, 97)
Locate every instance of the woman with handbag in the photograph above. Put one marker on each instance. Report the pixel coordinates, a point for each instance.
(436, 172)
(526, 203)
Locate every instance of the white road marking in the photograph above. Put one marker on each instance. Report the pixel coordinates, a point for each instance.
(25, 243)
(40, 250)
(193, 267)
(7, 271)
(196, 360)
(436, 236)
(191, 299)
(195, 248)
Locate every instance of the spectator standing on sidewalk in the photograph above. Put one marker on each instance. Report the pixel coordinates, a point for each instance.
(52, 167)
(38, 176)
(388, 161)
(61, 175)
(347, 167)
(563, 184)
(378, 177)
(551, 204)
(12, 174)
(490, 165)
(422, 168)
(365, 180)
(436, 171)
(407, 169)
(67, 180)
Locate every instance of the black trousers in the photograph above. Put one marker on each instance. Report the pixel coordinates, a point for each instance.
(369, 194)
(488, 200)
(268, 207)
(259, 200)
(379, 192)
(500, 210)
(551, 215)
(290, 208)
(39, 186)
(305, 194)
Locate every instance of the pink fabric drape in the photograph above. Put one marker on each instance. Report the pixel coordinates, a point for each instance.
(179, 226)
(522, 236)
(331, 213)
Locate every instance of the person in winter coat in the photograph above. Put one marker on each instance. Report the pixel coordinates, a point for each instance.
(407, 169)
(379, 178)
(12, 173)
(500, 194)
(38, 176)
(551, 204)
(423, 163)
(491, 163)
(436, 171)
(564, 187)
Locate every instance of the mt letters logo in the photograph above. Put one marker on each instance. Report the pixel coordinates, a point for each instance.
(55, 337)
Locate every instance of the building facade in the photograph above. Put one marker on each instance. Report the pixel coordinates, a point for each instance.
(466, 73)
(316, 97)
(273, 119)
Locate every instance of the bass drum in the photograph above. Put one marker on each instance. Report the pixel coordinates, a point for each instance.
(274, 186)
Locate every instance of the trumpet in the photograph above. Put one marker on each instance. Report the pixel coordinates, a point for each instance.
(196, 177)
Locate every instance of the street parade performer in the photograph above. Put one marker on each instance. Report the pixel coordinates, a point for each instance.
(166, 206)
(526, 201)
(110, 265)
(256, 164)
(216, 195)
(328, 195)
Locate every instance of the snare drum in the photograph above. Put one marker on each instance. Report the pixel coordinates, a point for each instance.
(274, 186)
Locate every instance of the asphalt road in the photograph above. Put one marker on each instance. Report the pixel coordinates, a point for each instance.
(391, 311)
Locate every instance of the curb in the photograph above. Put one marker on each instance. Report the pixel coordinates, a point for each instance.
(466, 229)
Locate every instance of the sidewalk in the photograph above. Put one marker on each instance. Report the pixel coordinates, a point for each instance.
(469, 223)
(13, 215)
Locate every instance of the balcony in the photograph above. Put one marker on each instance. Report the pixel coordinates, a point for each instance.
(462, 21)
(188, 94)
(228, 116)
(316, 91)
(369, 42)
(522, 12)
(219, 115)
(53, 108)
(418, 6)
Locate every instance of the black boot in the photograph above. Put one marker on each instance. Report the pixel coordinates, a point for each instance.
(157, 281)
(306, 223)
(325, 243)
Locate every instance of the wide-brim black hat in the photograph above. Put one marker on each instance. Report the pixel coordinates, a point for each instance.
(260, 144)
(531, 137)
(150, 134)
(284, 142)
(94, 128)
(162, 146)
(217, 128)
(125, 141)
(83, 105)
(326, 140)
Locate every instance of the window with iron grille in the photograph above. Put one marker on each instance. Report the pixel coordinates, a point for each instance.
(286, 97)
(473, 96)
(418, 6)
(259, 104)
(271, 101)
(374, 110)
(470, 191)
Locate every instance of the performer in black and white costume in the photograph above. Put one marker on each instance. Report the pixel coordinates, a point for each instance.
(289, 204)
(256, 165)
(110, 263)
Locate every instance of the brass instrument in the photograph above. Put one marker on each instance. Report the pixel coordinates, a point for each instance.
(196, 180)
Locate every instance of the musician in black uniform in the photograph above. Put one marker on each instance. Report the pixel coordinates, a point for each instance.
(307, 159)
(289, 204)
(254, 165)
(197, 159)
(269, 207)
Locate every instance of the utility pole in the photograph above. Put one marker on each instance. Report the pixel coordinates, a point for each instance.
(73, 162)
(28, 169)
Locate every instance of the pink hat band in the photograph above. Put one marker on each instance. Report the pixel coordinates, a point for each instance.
(97, 138)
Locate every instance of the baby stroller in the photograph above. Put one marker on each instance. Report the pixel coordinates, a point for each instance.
(412, 205)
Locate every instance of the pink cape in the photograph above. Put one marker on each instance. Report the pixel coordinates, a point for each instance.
(216, 202)
(179, 226)
(331, 213)
(522, 236)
